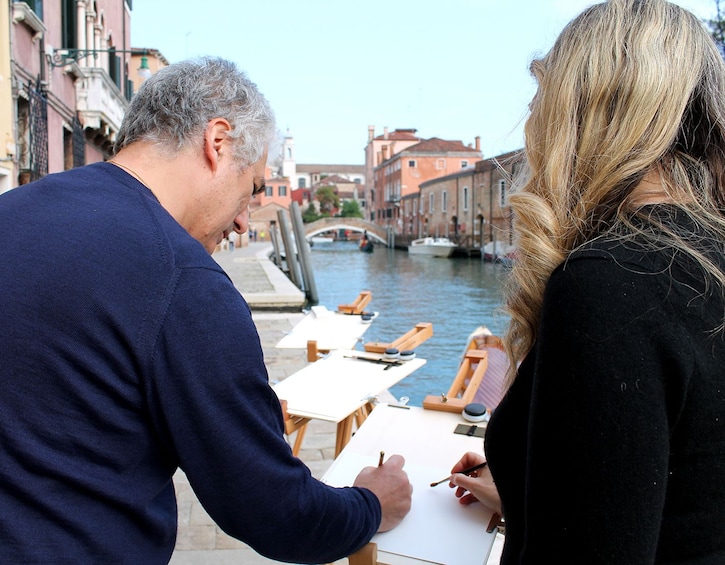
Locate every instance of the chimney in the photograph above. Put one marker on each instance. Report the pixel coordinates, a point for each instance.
(385, 132)
(371, 133)
(478, 143)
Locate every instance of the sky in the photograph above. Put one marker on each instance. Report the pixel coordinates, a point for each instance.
(453, 69)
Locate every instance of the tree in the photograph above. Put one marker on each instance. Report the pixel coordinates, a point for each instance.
(717, 25)
(351, 209)
(328, 199)
(310, 214)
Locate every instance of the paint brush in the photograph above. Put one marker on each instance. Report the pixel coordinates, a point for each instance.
(380, 461)
(464, 472)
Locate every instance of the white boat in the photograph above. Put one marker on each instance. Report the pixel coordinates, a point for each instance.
(315, 239)
(498, 252)
(432, 246)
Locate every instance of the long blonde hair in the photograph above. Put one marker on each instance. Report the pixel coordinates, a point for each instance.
(629, 87)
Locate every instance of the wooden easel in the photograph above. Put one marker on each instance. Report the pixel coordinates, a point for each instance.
(294, 424)
(410, 340)
(464, 386)
(357, 306)
(367, 555)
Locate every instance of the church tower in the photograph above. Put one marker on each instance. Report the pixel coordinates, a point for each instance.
(289, 168)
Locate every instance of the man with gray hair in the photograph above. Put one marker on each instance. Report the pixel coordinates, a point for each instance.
(113, 374)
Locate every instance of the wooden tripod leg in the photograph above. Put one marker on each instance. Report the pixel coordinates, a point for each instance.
(344, 433)
(312, 352)
(368, 555)
(298, 439)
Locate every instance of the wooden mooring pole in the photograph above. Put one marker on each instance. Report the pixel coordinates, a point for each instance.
(303, 249)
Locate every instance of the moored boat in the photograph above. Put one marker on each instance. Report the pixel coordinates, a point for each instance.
(498, 252)
(321, 239)
(432, 247)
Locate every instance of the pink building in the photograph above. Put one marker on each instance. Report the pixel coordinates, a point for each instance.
(72, 64)
(400, 174)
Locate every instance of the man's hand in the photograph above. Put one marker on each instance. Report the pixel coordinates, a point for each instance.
(391, 485)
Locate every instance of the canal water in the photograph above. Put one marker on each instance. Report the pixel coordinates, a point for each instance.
(456, 295)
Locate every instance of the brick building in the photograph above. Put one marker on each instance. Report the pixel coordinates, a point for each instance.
(401, 174)
(468, 206)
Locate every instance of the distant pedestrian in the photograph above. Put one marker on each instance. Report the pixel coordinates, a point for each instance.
(232, 239)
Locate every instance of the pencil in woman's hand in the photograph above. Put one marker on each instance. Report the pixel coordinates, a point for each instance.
(464, 472)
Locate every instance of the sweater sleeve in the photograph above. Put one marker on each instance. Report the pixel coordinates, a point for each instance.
(608, 384)
(221, 421)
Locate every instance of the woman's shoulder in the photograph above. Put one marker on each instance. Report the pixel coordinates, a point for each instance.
(615, 254)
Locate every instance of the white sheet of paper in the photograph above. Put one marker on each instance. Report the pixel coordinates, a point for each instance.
(333, 388)
(329, 329)
(438, 528)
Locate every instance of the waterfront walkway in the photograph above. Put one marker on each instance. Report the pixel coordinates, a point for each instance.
(276, 307)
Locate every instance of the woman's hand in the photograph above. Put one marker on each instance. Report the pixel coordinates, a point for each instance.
(479, 486)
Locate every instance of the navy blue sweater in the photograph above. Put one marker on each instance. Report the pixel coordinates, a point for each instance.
(125, 353)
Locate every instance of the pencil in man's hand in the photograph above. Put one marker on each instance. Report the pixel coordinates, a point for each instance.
(380, 461)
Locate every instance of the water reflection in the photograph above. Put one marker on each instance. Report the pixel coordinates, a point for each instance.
(456, 295)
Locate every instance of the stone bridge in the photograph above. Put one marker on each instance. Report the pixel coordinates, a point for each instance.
(353, 224)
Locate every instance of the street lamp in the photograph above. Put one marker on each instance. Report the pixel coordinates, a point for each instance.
(143, 71)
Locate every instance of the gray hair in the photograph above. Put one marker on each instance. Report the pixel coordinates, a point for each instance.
(172, 108)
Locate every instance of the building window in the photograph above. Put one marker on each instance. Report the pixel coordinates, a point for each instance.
(502, 191)
(412, 164)
(444, 201)
(36, 6)
(268, 190)
(282, 190)
(32, 130)
(464, 164)
(431, 201)
(440, 164)
(301, 182)
(69, 24)
(465, 198)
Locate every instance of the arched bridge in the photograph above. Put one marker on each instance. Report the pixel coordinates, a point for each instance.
(353, 224)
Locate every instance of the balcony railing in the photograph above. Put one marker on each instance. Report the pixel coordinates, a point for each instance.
(100, 103)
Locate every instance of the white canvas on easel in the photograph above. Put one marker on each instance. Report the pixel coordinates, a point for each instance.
(438, 528)
(331, 330)
(333, 388)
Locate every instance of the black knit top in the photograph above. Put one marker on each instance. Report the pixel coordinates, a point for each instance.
(610, 445)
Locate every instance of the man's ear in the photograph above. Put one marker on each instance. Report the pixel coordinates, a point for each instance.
(216, 141)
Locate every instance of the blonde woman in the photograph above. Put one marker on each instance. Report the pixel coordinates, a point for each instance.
(609, 446)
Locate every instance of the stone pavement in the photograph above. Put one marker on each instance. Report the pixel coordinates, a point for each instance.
(276, 308)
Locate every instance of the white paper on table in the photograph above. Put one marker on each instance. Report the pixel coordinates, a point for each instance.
(333, 388)
(331, 330)
(438, 528)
